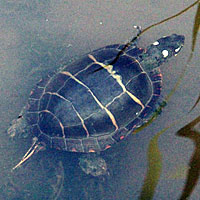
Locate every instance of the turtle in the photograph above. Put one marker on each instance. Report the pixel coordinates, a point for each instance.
(83, 109)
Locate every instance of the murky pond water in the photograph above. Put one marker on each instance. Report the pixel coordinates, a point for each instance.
(40, 36)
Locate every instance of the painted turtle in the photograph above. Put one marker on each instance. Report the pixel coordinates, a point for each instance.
(78, 110)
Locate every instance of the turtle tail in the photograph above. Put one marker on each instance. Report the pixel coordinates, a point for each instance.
(35, 148)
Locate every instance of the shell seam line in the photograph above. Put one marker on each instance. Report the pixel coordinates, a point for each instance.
(118, 78)
(79, 116)
(111, 116)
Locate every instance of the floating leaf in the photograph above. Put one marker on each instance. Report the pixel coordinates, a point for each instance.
(195, 103)
(196, 27)
(154, 168)
(143, 31)
(192, 131)
(178, 173)
(158, 23)
(194, 38)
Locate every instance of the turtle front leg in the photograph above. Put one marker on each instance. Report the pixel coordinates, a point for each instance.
(93, 164)
(19, 127)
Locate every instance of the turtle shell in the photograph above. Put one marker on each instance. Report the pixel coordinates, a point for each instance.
(82, 111)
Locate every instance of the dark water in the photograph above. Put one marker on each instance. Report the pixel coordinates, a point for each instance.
(41, 36)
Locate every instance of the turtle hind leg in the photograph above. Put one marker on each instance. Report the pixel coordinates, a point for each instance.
(19, 127)
(35, 148)
(93, 164)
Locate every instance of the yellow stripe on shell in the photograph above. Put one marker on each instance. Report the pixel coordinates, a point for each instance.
(111, 116)
(81, 119)
(118, 78)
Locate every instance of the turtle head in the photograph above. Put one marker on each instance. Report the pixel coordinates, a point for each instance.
(169, 46)
(161, 50)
